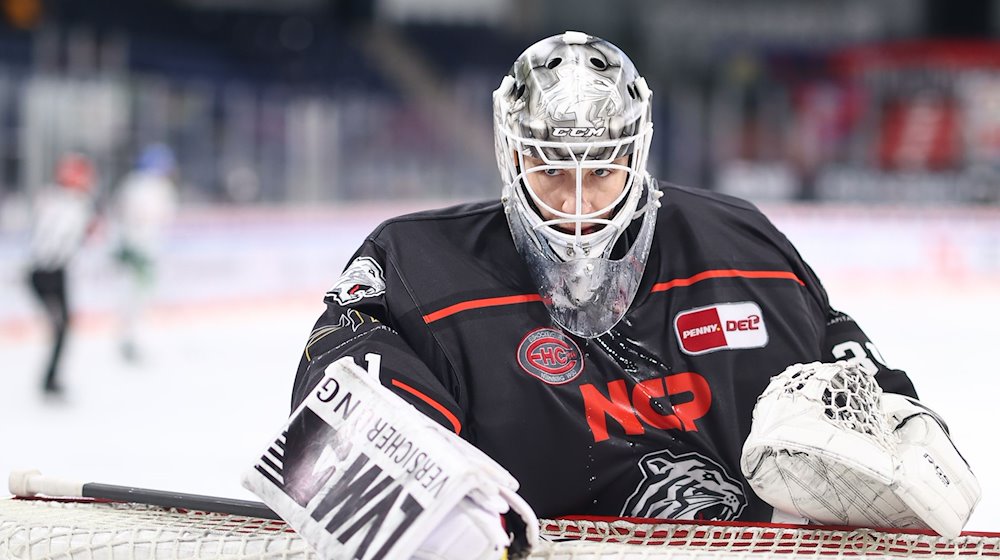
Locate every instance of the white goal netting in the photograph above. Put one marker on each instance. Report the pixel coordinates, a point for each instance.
(40, 529)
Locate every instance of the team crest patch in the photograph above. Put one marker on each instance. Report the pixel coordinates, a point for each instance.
(550, 355)
(723, 326)
(685, 486)
(362, 279)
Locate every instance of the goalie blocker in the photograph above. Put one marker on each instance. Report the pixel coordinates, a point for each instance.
(828, 444)
(360, 473)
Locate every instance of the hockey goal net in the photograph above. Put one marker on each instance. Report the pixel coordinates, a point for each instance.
(41, 529)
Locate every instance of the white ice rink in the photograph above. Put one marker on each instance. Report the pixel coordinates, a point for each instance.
(214, 383)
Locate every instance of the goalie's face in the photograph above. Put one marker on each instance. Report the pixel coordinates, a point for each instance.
(575, 199)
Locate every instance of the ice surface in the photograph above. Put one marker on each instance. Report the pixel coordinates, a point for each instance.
(209, 392)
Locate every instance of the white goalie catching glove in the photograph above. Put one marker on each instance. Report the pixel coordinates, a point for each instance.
(828, 444)
(360, 474)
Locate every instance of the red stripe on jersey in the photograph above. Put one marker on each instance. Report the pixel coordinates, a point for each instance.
(680, 282)
(455, 424)
(658, 287)
(477, 303)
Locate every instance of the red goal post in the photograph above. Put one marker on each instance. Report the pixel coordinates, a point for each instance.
(90, 529)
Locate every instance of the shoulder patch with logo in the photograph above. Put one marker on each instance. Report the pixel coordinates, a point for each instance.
(363, 278)
(550, 355)
(723, 326)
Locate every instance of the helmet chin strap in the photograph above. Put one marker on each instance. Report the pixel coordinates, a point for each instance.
(567, 252)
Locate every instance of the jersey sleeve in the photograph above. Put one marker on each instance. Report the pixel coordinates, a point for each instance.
(843, 338)
(362, 320)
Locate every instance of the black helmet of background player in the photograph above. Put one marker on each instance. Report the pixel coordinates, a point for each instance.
(574, 104)
(75, 172)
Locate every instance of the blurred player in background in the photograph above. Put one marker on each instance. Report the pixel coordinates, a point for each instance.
(145, 203)
(63, 215)
(605, 336)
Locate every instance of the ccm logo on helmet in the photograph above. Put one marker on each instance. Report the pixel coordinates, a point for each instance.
(578, 131)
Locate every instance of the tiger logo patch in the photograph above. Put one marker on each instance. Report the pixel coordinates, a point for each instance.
(685, 486)
(363, 278)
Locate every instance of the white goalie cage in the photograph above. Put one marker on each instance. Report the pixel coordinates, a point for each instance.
(43, 529)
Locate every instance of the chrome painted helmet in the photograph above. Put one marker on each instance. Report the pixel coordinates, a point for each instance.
(575, 104)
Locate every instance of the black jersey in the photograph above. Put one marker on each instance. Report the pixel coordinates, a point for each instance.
(647, 420)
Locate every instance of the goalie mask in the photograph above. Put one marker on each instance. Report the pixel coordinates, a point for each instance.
(572, 131)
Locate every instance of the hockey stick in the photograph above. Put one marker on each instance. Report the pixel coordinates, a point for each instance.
(28, 483)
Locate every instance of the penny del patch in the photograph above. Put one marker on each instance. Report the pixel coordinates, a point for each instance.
(722, 326)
